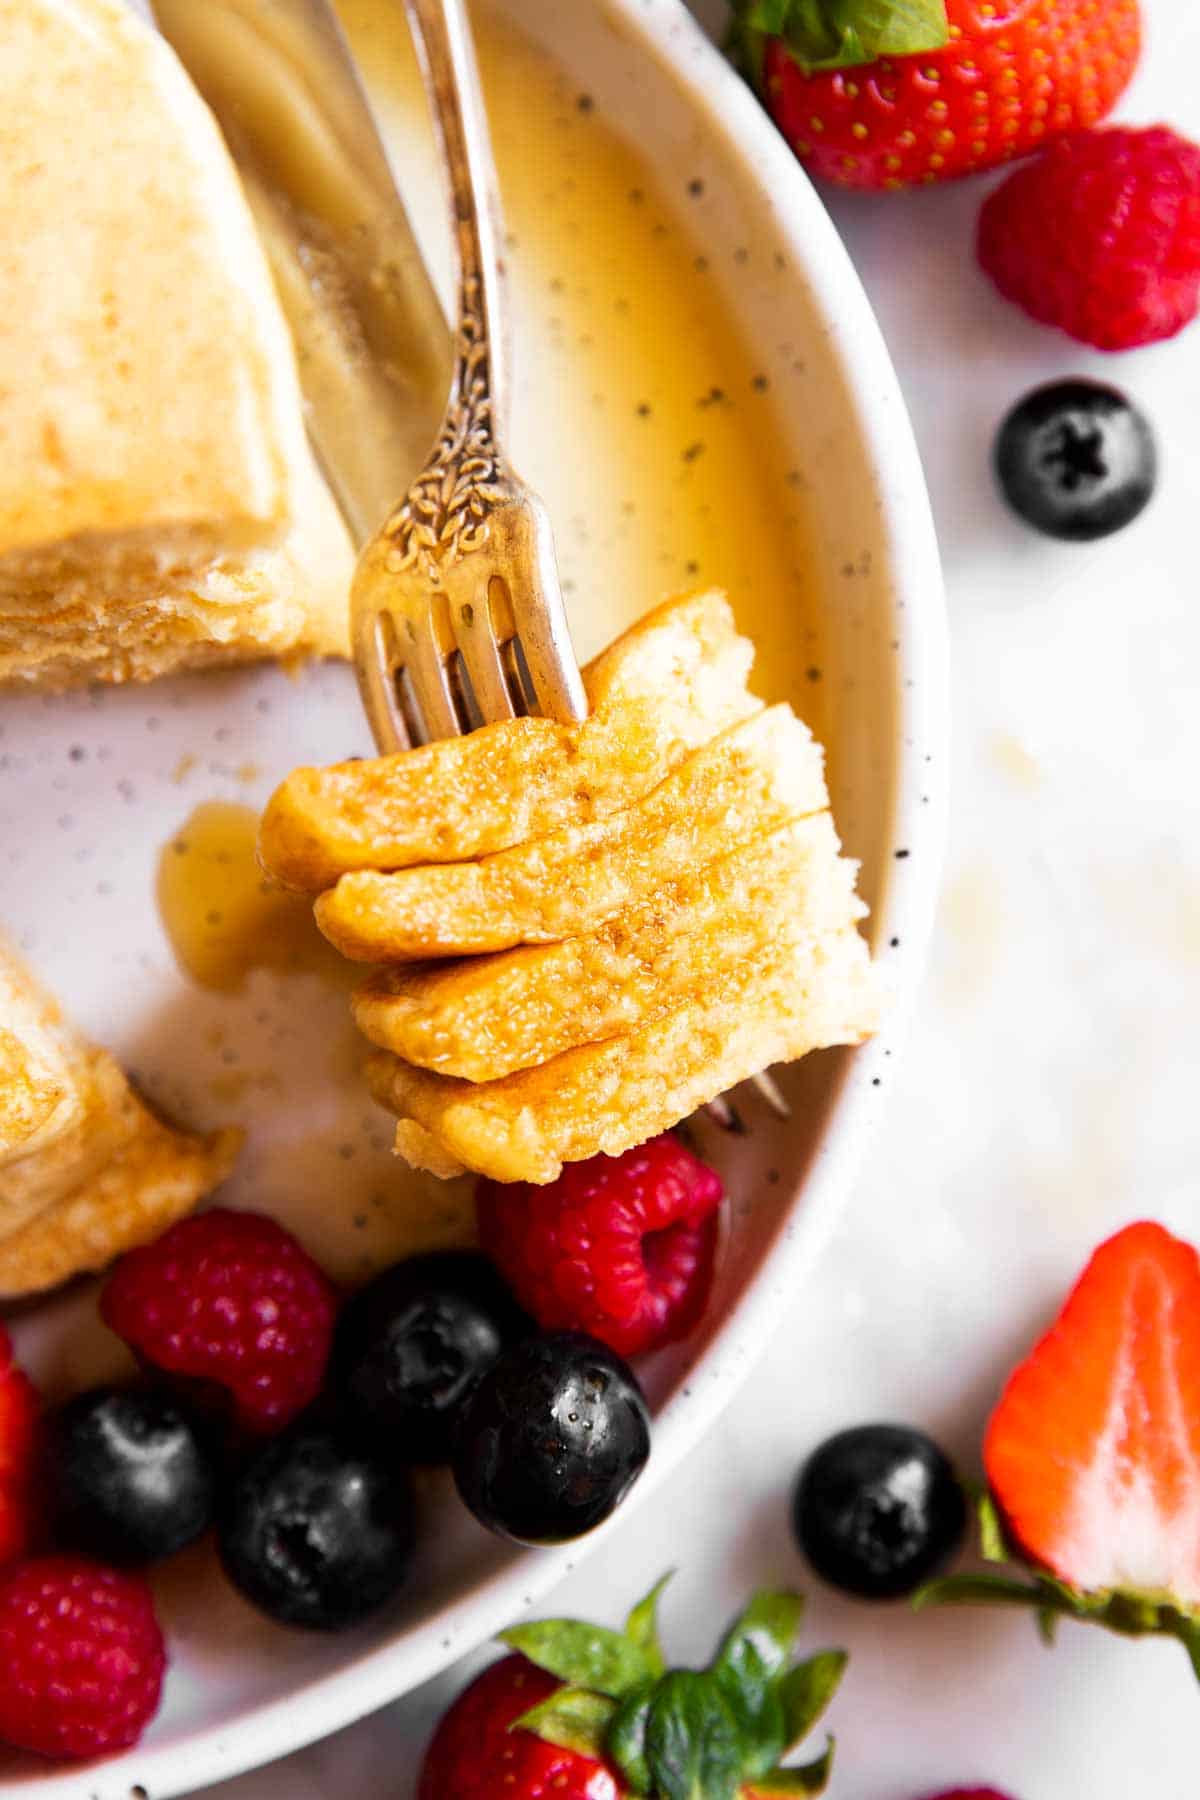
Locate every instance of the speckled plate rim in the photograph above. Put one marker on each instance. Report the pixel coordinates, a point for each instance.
(903, 917)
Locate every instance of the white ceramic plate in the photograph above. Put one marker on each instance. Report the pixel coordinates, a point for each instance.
(92, 786)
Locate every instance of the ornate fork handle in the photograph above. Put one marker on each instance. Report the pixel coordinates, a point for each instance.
(446, 512)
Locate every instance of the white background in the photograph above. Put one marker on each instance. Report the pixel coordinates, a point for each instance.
(1051, 1093)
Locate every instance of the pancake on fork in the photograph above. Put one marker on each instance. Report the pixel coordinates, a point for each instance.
(760, 773)
(670, 683)
(484, 1017)
(798, 996)
(642, 910)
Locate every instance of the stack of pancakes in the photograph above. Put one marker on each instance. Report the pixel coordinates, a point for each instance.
(586, 932)
(86, 1169)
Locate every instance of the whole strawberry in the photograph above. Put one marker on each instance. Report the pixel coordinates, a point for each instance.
(887, 93)
(585, 1713)
(970, 1793)
(18, 1430)
(475, 1753)
(228, 1302)
(82, 1656)
(1101, 236)
(975, 1793)
(620, 1247)
(1093, 1453)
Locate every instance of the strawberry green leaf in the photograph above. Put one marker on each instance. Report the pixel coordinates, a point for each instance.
(836, 34)
(769, 15)
(1188, 1633)
(759, 1718)
(806, 1691)
(587, 1656)
(993, 1545)
(969, 1590)
(626, 1740)
(572, 1718)
(748, 1665)
(693, 1749)
(641, 1627)
(1066, 1598)
(811, 1778)
(1132, 1615)
(752, 24)
(1047, 1624)
(762, 1637)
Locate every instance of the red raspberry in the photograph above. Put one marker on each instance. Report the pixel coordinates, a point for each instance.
(18, 1428)
(474, 1755)
(1101, 236)
(620, 1247)
(231, 1300)
(971, 1794)
(82, 1656)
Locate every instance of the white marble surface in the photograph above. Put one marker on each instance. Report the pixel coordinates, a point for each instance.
(1050, 1093)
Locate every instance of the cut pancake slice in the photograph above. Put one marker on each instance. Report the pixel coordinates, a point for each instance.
(793, 998)
(670, 683)
(159, 504)
(487, 1017)
(149, 1175)
(31, 1095)
(39, 1089)
(86, 1168)
(755, 776)
(143, 615)
(421, 1150)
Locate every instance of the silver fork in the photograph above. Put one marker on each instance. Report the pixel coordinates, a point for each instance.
(456, 609)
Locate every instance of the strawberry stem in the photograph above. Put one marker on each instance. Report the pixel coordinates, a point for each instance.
(1127, 1614)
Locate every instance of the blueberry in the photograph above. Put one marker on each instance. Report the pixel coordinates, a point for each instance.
(878, 1510)
(129, 1477)
(413, 1343)
(552, 1439)
(315, 1531)
(1076, 459)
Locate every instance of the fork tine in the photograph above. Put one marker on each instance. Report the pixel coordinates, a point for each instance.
(541, 618)
(559, 690)
(475, 632)
(426, 665)
(771, 1092)
(373, 664)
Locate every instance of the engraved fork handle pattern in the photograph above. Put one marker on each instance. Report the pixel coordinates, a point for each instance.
(445, 515)
(457, 612)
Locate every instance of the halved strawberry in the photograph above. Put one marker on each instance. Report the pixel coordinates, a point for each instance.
(18, 1421)
(1093, 1454)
